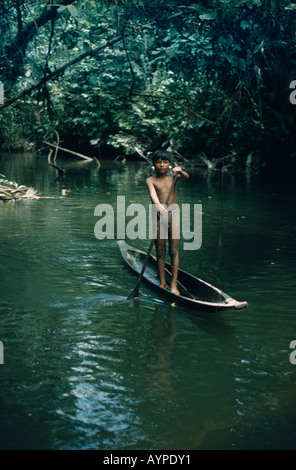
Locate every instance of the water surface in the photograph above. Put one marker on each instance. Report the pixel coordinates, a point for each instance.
(86, 369)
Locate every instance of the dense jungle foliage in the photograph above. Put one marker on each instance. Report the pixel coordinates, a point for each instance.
(211, 80)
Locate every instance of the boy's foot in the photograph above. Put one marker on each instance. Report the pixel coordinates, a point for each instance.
(175, 291)
(163, 285)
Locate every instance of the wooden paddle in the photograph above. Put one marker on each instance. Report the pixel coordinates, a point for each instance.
(135, 293)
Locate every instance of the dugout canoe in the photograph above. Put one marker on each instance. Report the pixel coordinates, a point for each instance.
(195, 293)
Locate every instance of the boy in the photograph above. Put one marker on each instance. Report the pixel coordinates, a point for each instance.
(159, 187)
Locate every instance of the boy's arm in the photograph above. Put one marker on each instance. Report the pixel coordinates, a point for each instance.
(182, 175)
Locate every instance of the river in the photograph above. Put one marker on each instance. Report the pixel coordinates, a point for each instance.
(86, 369)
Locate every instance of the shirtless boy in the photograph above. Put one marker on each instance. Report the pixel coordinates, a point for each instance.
(159, 186)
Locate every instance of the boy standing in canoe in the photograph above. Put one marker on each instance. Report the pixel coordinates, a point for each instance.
(163, 194)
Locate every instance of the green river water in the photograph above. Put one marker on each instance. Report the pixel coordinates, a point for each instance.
(86, 369)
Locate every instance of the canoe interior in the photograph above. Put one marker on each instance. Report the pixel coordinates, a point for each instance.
(197, 293)
(200, 289)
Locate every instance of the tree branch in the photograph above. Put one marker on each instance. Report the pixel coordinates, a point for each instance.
(16, 50)
(58, 72)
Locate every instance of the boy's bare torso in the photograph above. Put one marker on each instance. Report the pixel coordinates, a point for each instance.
(162, 187)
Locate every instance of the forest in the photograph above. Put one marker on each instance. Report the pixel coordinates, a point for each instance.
(212, 81)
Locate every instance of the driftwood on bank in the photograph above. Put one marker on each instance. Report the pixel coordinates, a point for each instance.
(10, 190)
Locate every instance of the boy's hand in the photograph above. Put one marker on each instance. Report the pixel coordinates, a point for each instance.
(162, 209)
(182, 175)
(177, 170)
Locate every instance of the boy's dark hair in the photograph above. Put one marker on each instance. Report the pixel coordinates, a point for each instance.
(163, 154)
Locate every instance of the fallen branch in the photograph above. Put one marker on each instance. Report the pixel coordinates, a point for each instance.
(57, 147)
(215, 162)
(60, 170)
(139, 152)
(69, 151)
(210, 164)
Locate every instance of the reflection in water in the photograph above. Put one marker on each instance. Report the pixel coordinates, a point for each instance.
(160, 365)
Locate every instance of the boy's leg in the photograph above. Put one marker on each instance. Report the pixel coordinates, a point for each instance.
(160, 254)
(174, 254)
(174, 235)
(160, 245)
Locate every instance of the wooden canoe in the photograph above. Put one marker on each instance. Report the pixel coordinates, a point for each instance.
(196, 293)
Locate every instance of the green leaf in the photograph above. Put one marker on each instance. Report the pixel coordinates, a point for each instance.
(62, 8)
(236, 61)
(170, 52)
(73, 10)
(208, 16)
(257, 48)
(87, 47)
